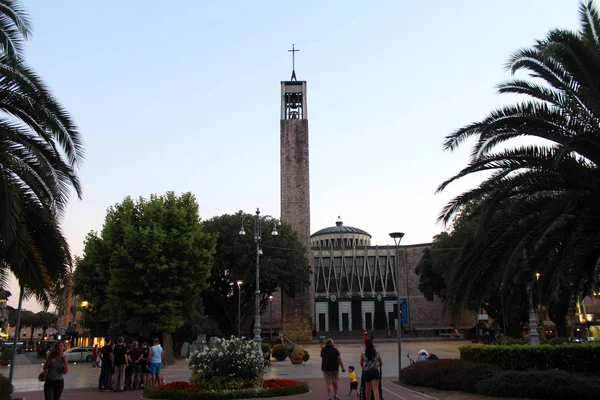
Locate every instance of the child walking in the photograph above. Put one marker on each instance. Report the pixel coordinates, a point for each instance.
(353, 381)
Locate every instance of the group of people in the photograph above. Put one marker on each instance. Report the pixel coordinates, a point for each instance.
(370, 362)
(129, 365)
(121, 366)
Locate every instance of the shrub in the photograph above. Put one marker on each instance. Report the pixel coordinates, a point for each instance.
(541, 385)
(559, 340)
(6, 354)
(5, 388)
(298, 352)
(509, 341)
(583, 358)
(265, 347)
(224, 364)
(447, 374)
(279, 352)
(289, 348)
(306, 356)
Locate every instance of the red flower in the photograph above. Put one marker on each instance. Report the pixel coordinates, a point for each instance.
(275, 383)
(186, 386)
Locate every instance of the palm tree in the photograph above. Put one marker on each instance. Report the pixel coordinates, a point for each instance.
(14, 28)
(40, 150)
(540, 198)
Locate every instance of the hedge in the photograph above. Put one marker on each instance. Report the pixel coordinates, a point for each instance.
(582, 358)
(541, 385)
(488, 380)
(153, 393)
(447, 374)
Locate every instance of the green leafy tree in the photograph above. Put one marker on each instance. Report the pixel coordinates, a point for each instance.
(152, 261)
(46, 320)
(504, 302)
(283, 266)
(90, 281)
(538, 207)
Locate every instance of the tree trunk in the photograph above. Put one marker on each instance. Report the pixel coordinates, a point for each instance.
(168, 349)
(557, 312)
(17, 330)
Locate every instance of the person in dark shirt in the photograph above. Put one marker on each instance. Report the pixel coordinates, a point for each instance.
(144, 363)
(106, 368)
(331, 361)
(135, 359)
(120, 362)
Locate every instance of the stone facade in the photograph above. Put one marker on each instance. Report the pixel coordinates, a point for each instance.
(297, 313)
(356, 286)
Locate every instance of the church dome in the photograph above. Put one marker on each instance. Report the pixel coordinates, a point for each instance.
(340, 235)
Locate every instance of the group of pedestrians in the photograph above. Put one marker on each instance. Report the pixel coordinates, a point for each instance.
(370, 362)
(129, 365)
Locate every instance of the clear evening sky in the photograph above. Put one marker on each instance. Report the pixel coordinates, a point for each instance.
(184, 96)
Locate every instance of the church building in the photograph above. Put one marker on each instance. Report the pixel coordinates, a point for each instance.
(353, 285)
(356, 285)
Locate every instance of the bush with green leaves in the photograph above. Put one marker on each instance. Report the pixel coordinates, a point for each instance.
(265, 347)
(6, 354)
(279, 352)
(509, 341)
(577, 357)
(306, 356)
(541, 385)
(226, 364)
(447, 374)
(6, 388)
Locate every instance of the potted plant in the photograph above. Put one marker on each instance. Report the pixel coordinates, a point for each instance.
(297, 355)
(5, 356)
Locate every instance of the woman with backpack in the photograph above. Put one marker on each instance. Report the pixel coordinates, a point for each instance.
(370, 361)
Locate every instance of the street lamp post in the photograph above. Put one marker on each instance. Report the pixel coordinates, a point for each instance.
(84, 305)
(239, 285)
(257, 240)
(397, 236)
(534, 336)
(271, 318)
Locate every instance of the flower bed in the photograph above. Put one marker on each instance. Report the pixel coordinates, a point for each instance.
(187, 391)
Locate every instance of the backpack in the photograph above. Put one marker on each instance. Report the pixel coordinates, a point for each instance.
(433, 357)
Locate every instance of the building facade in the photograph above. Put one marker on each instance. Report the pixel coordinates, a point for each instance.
(356, 286)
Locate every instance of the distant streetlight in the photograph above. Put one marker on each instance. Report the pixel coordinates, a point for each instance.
(271, 318)
(84, 305)
(239, 285)
(397, 236)
(257, 240)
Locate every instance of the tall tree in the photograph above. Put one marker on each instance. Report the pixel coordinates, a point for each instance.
(40, 150)
(551, 182)
(14, 28)
(46, 320)
(154, 260)
(283, 267)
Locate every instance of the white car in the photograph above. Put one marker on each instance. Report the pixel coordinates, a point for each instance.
(80, 353)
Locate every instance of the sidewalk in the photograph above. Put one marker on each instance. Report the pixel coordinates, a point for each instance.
(391, 391)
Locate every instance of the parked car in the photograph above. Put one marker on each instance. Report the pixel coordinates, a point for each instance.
(80, 353)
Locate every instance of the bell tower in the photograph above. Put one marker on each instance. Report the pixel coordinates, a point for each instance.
(296, 314)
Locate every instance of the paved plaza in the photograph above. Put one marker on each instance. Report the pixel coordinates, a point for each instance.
(82, 378)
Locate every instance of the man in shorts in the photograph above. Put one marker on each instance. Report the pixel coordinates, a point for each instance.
(156, 355)
(135, 358)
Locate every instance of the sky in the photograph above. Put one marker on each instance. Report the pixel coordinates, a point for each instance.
(184, 95)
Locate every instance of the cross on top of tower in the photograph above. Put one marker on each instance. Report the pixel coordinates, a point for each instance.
(293, 50)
